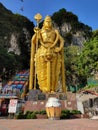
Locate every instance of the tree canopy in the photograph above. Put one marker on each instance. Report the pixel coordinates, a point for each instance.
(88, 62)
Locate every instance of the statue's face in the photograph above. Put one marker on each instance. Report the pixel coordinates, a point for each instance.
(47, 24)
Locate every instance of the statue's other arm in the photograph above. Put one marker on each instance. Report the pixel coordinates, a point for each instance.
(61, 42)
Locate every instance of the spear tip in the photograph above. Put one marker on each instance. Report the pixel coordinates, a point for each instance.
(38, 17)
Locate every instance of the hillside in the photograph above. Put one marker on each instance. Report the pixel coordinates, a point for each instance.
(12, 23)
(15, 36)
(16, 32)
(73, 31)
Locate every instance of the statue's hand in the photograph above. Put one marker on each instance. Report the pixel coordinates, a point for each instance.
(36, 29)
(57, 49)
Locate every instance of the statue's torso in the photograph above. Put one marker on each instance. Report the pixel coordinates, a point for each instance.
(48, 36)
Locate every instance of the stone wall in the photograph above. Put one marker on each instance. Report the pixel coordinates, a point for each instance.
(38, 105)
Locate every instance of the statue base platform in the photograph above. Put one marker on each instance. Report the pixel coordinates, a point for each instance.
(60, 96)
(37, 100)
(36, 95)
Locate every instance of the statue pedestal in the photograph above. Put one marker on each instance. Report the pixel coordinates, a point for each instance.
(37, 100)
(60, 96)
(36, 95)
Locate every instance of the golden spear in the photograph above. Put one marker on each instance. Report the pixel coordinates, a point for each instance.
(32, 78)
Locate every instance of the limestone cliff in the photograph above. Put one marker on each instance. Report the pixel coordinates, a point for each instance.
(16, 32)
(14, 29)
(73, 31)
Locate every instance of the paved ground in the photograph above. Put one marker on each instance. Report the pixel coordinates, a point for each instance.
(47, 124)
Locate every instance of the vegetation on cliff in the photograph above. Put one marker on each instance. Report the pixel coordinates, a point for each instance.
(13, 24)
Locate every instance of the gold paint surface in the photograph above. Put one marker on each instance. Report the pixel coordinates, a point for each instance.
(47, 57)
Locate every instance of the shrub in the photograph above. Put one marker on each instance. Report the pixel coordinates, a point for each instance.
(20, 116)
(65, 114)
(37, 112)
(75, 112)
(33, 116)
(30, 115)
(27, 115)
(42, 112)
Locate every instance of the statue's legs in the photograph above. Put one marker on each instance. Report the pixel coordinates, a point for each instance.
(55, 71)
(41, 69)
(48, 71)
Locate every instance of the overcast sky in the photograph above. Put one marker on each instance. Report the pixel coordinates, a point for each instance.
(86, 10)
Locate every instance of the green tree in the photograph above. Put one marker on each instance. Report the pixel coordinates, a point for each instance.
(88, 61)
(71, 57)
(9, 63)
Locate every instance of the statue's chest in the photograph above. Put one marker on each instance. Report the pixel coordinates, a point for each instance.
(48, 35)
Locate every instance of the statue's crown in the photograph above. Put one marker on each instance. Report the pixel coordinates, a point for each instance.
(47, 18)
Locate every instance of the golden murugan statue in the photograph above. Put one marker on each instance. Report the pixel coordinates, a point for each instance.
(47, 57)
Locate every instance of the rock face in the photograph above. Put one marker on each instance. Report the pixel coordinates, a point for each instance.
(14, 30)
(73, 31)
(15, 27)
(77, 38)
(65, 28)
(14, 41)
(14, 44)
